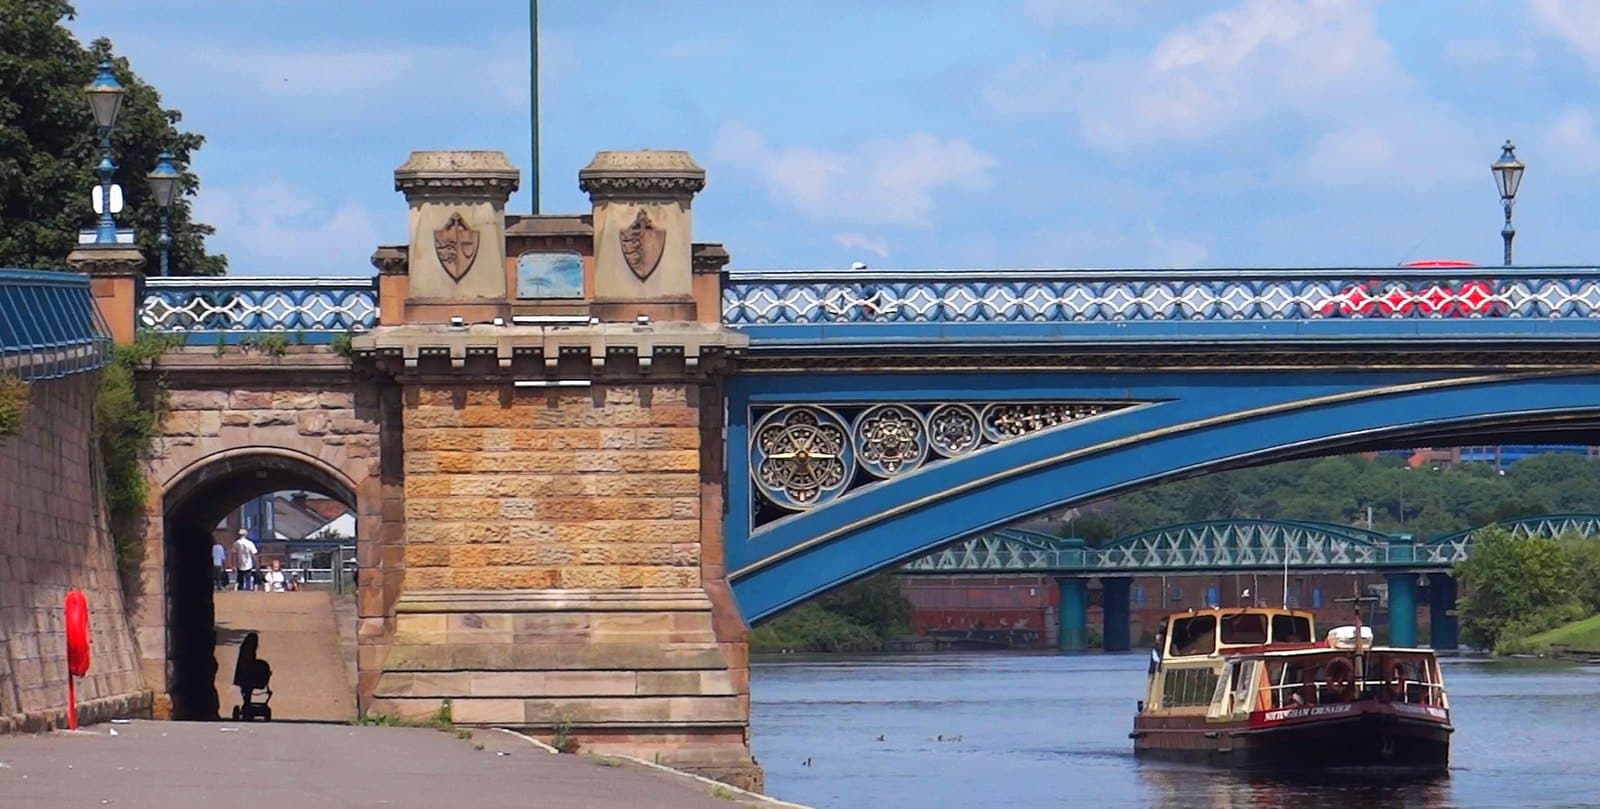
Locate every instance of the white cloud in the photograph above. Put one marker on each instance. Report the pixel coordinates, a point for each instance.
(877, 247)
(1312, 79)
(1572, 141)
(1262, 60)
(882, 182)
(277, 229)
(1575, 22)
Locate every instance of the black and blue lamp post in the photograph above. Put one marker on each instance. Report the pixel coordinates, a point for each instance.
(1508, 175)
(105, 100)
(164, 187)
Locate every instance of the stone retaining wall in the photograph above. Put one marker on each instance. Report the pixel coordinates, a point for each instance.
(53, 539)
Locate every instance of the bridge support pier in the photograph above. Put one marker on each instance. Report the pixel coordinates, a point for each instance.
(1443, 634)
(1402, 609)
(1074, 611)
(1116, 626)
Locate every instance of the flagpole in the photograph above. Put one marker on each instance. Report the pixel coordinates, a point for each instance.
(533, 70)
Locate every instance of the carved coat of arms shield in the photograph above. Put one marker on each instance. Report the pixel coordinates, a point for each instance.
(642, 245)
(456, 245)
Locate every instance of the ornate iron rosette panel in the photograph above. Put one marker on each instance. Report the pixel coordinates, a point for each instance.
(890, 439)
(953, 429)
(1002, 422)
(802, 457)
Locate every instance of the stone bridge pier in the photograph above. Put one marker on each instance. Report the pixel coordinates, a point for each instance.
(552, 555)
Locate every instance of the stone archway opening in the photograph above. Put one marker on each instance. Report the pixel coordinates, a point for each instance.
(193, 507)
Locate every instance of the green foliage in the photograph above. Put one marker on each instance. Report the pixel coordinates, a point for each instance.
(49, 146)
(1584, 634)
(859, 617)
(125, 422)
(1585, 556)
(13, 403)
(442, 719)
(563, 740)
(1425, 501)
(1516, 586)
(272, 343)
(343, 345)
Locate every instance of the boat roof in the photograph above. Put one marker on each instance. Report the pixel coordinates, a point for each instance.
(1219, 611)
(1281, 650)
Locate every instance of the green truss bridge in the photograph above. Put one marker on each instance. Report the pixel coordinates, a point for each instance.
(1237, 546)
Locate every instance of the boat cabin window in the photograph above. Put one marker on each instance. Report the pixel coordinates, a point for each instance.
(1193, 636)
(1248, 627)
(1291, 629)
(1187, 688)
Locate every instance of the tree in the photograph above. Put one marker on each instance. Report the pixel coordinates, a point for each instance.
(1515, 586)
(49, 147)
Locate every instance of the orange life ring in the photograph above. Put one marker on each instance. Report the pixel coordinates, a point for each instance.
(1341, 677)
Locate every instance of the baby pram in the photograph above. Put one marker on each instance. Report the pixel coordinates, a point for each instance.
(252, 674)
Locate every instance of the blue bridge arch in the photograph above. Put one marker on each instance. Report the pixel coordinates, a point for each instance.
(1095, 434)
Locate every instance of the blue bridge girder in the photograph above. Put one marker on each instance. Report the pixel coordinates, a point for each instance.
(881, 415)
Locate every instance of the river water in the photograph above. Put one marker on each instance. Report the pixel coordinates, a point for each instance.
(990, 730)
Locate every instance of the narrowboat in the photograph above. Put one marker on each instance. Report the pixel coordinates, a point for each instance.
(1253, 687)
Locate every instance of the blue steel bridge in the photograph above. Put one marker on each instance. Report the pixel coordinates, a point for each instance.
(1237, 546)
(880, 415)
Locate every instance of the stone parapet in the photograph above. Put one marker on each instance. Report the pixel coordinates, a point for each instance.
(114, 279)
(558, 351)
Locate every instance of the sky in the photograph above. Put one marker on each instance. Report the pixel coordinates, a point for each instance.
(908, 133)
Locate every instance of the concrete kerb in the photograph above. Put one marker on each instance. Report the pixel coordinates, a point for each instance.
(743, 794)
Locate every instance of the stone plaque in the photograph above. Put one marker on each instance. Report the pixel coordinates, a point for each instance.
(550, 275)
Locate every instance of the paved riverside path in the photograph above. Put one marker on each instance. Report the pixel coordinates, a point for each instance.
(299, 638)
(223, 765)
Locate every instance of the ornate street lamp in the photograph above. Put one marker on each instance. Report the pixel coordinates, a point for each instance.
(164, 186)
(1508, 175)
(105, 100)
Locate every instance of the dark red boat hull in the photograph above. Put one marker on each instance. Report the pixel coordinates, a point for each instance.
(1357, 735)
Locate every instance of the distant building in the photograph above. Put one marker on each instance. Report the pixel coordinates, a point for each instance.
(273, 520)
(1501, 456)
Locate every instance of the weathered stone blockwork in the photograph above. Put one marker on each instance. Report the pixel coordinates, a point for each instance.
(512, 489)
(562, 569)
(53, 538)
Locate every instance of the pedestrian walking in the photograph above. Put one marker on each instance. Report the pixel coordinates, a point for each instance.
(244, 553)
(219, 567)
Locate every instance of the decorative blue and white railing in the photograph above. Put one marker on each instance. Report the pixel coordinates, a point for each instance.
(231, 309)
(49, 325)
(1229, 545)
(789, 297)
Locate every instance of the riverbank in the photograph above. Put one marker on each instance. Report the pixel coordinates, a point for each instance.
(202, 765)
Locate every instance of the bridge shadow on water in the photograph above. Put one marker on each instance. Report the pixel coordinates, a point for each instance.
(1192, 786)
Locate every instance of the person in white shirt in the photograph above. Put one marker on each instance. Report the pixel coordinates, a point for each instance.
(275, 579)
(244, 552)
